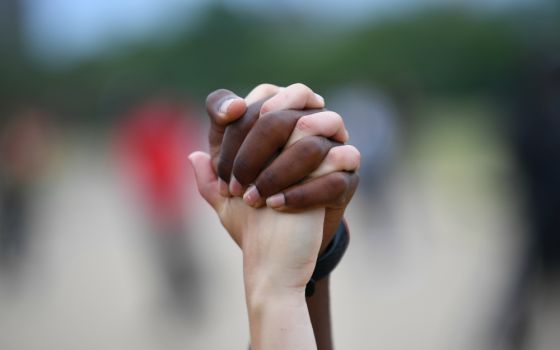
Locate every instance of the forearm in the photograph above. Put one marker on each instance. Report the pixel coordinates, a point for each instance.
(278, 260)
(279, 320)
(319, 302)
(319, 312)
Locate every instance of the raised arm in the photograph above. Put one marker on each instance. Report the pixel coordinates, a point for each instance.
(312, 137)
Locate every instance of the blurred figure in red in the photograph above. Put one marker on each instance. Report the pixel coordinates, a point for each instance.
(154, 141)
(23, 152)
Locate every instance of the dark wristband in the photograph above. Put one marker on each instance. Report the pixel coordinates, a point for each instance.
(330, 258)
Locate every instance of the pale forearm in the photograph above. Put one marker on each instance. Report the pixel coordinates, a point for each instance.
(278, 260)
(280, 321)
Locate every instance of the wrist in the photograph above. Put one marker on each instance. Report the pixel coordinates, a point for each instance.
(259, 301)
(261, 286)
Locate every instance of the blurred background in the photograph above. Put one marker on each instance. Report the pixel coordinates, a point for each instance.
(455, 106)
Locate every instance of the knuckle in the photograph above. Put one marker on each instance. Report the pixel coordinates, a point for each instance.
(337, 183)
(355, 155)
(333, 116)
(266, 88)
(354, 151)
(337, 187)
(311, 147)
(344, 155)
(336, 155)
(334, 119)
(349, 155)
(305, 124)
(270, 118)
(300, 87)
(267, 106)
(271, 125)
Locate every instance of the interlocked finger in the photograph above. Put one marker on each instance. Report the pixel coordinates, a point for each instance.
(295, 96)
(262, 91)
(340, 158)
(293, 165)
(327, 123)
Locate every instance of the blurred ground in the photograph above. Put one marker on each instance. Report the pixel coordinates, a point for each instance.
(424, 270)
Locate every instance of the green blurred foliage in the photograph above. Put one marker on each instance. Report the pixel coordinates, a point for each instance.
(435, 52)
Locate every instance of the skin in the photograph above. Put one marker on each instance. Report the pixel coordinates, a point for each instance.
(279, 253)
(243, 141)
(249, 148)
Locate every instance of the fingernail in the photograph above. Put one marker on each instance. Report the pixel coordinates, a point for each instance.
(252, 196)
(223, 188)
(235, 187)
(276, 201)
(225, 105)
(320, 99)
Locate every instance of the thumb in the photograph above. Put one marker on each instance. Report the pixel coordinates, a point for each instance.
(206, 179)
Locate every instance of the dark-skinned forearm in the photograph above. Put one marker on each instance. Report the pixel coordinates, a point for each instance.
(319, 312)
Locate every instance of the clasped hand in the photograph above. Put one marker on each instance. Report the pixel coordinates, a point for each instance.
(279, 176)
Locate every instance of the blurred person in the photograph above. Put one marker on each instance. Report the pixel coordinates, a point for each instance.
(536, 148)
(371, 119)
(537, 145)
(23, 152)
(292, 244)
(153, 143)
